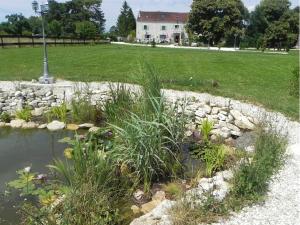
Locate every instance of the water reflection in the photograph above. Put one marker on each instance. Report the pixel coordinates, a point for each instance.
(22, 148)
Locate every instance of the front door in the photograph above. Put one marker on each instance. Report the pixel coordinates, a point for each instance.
(177, 38)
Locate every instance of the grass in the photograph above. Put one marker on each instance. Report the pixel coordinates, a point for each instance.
(256, 77)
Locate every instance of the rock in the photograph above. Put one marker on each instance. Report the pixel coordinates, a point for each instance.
(236, 114)
(37, 111)
(147, 207)
(86, 125)
(215, 110)
(236, 133)
(135, 209)
(48, 93)
(188, 133)
(222, 117)
(220, 194)
(244, 123)
(159, 196)
(225, 113)
(200, 113)
(226, 174)
(250, 149)
(18, 94)
(138, 195)
(72, 127)
(2, 124)
(56, 125)
(17, 123)
(230, 142)
(29, 125)
(42, 126)
(158, 216)
(206, 184)
(222, 133)
(94, 129)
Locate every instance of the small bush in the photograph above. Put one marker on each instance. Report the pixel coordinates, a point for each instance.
(153, 43)
(294, 83)
(173, 189)
(5, 117)
(251, 180)
(24, 114)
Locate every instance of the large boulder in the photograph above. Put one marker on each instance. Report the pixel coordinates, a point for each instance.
(17, 123)
(56, 125)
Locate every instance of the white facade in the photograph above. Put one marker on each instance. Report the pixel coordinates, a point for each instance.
(161, 32)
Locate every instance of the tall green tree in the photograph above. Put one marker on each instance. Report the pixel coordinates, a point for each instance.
(126, 21)
(55, 28)
(216, 20)
(86, 29)
(16, 24)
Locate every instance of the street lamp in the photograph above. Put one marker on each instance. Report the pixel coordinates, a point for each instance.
(42, 10)
(235, 36)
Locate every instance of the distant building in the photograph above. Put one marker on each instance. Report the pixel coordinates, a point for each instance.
(163, 27)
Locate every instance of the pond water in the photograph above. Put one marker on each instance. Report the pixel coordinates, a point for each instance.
(19, 149)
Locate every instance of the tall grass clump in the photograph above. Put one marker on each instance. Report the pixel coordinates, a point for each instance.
(120, 104)
(148, 148)
(252, 178)
(24, 114)
(82, 108)
(58, 113)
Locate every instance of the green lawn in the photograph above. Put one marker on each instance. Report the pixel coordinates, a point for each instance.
(256, 77)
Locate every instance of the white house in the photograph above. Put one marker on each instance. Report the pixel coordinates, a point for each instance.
(163, 27)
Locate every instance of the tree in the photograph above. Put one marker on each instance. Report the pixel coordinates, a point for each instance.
(86, 29)
(126, 21)
(55, 28)
(215, 20)
(16, 24)
(35, 24)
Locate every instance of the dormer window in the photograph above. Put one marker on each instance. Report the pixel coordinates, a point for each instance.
(145, 27)
(163, 27)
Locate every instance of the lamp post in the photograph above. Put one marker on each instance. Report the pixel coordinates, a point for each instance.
(235, 36)
(42, 10)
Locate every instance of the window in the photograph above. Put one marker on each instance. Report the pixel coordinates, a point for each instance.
(147, 36)
(145, 27)
(163, 28)
(163, 37)
(177, 26)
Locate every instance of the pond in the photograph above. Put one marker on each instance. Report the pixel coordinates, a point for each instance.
(19, 149)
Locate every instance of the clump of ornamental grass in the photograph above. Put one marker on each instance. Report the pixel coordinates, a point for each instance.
(121, 103)
(24, 114)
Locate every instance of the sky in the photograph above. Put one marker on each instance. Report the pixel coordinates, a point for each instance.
(111, 8)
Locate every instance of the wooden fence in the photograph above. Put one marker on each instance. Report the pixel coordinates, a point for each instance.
(19, 41)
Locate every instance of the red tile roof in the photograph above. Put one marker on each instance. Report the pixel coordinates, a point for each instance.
(171, 17)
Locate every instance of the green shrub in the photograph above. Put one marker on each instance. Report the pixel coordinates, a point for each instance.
(153, 43)
(251, 180)
(294, 83)
(5, 117)
(89, 205)
(24, 114)
(58, 113)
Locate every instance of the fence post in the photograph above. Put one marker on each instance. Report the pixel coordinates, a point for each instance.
(63, 41)
(19, 41)
(55, 41)
(32, 41)
(2, 42)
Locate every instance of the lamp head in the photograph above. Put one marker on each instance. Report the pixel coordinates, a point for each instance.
(35, 6)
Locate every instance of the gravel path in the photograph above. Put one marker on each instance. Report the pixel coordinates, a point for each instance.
(282, 206)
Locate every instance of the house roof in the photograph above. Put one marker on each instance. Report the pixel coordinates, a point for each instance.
(171, 17)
